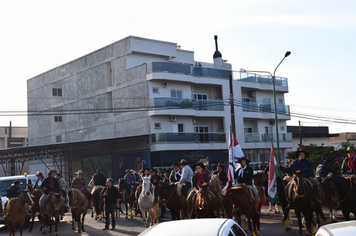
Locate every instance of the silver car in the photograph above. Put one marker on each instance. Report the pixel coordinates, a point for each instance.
(206, 227)
(345, 228)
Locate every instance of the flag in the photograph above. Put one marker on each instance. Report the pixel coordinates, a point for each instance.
(235, 153)
(272, 177)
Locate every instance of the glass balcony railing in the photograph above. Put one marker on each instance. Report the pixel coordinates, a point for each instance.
(263, 79)
(259, 107)
(198, 71)
(169, 102)
(188, 138)
(263, 137)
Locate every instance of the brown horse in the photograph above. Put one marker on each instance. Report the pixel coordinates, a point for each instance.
(168, 192)
(35, 208)
(17, 211)
(202, 204)
(239, 200)
(79, 205)
(128, 195)
(326, 195)
(51, 208)
(216, 188)
(98, 201)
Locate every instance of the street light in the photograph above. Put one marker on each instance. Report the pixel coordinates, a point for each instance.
(274, 97)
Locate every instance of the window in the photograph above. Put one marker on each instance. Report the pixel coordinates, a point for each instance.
(280, 101)
(246, 100)
(266, 100)
(157, 125)
(177, 128)
(155, 90)
(58, 119)
(176, 93)
(247, 130)
(203, 132)
(58, 138)
(57, 92)
(281, 127)
(237, 230)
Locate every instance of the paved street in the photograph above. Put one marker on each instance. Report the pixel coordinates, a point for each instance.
(271, 224)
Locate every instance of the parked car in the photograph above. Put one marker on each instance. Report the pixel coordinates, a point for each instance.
(5, 183)
(206, 227)
(346, 228)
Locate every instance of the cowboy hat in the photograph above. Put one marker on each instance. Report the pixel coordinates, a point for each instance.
(183, 162)
(52, 171)
(303, 151)
(221, 165)
(199, 163)
(175, 164)
(79, 172)
(243, 158)
(349, 148)
(98, 170)
(39, 174)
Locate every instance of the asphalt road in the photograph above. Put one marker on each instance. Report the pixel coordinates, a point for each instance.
(271, 224)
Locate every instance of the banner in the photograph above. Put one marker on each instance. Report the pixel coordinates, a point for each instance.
(235, 153)
(272, 177)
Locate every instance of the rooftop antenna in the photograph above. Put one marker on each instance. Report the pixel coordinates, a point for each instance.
(217, 54)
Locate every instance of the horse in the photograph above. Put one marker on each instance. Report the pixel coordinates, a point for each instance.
(217, 189)
(128, 195)
(326, 192)
(145, 200)
(51, 209)
(202, 204)
(18, 213)
(300, 198)
(35, 195)
(239, 199)
(79, 205)
(346, 192)
(98, 202)
(168, 192)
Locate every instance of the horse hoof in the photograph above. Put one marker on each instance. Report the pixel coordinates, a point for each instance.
(288, 229)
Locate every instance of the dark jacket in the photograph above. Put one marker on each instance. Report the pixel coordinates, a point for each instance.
(195, 179)
(113, 194)
(222, 176)
(297, 164)
(345, 170)
(99, 179)
(80, 183)
(247, 176)
(47, 184)
(173, 177)
(13, 192)
(156, 180)
(323, 170)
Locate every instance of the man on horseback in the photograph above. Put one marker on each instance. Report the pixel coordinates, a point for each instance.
(155, 179)
(324, 169)
(131, 179)
(220, 172)
(39, 180)
(79, 182)
(11, 193)
(99, 179)
(49, 184)
(348, 165)
(184, 184)
(176, 173)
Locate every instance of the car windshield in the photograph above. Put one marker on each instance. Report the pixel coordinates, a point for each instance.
(5, 184)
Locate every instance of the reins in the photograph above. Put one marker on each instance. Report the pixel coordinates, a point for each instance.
(346, 196)
(85, 200)
(175, 186)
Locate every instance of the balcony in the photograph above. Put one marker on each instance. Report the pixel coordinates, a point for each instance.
(256, 78)
(168, 102)
(197, 71)
(188, 138)
(258, 107)
(263, 137)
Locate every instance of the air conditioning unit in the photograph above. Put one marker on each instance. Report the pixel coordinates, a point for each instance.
(173, 118)
(252, 94)
(194, 121)
(164, 84)
(272, 123)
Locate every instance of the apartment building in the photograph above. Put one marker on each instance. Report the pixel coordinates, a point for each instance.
(144, 87)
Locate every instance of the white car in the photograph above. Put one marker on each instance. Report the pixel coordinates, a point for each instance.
(206, 227)
(346, 228)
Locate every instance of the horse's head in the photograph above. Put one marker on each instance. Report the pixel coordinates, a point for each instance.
(202, 196)
(146, 186)
(299, 182)
(120, 185)
(27, 196)
(259, 179)
(70, 196)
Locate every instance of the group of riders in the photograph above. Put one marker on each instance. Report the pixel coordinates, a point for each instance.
(188, 178)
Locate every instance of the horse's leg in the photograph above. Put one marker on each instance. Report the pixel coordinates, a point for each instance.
(45, 223)
(79, 222)
(126, 209)
(56, 220)
(83, 222)
(32, 219)
(73, 220)
(346, 214)
(40, 219)
(297, 213)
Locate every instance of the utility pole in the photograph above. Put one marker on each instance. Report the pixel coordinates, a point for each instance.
(300, 135)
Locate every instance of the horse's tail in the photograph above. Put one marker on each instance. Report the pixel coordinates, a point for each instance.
(96, 201)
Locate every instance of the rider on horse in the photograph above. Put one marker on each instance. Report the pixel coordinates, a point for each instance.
(324, 169)
(12, 193)
(99, 179)
(39, 180)
(222, 176)
(176, 173)
(348, 167)
(80, 183)
(155, 179)
(49, 184)
(184, 184)
(131, 179)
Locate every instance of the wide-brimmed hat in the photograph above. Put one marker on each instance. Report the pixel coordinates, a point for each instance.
(39, 174)
(199, 163)
(51, 171)
(287, 157)
(175, 164)
(59, 174)
(98, 170)
(350, 149)
(303, 151)
(183, 162)
(79, 172)
(243, 158)
(221, 165)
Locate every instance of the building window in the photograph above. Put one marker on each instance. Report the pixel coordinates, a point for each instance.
(247, 130)
(57, 118)
(280, 101)
(155, 90)
(177, 128)
(57, 92)
(157, 125)
(266, 100)
(58, 138)
(281, 127)
(176, 93)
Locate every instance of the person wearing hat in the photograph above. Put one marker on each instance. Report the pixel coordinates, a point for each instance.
(62, 184)
(39, 180)
(222, 176)
(49, 184)
(322, 170)
(184, 184)
(244, 175)
(348, 167)
(176, 173)
(155, 179)
(80, 183)
(145, 172)
(99, 179)
(129, 177)
(11, 193)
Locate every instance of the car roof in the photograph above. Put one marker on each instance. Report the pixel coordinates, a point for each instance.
(187, 227)
(17, 177)
(342, 228)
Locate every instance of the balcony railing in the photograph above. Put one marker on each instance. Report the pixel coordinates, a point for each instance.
(198, 71)
(188, 138)
(169, 102)
(264, 79)
(264, 137)
(259, 107)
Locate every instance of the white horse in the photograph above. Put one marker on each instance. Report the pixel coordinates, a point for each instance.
(145, 201)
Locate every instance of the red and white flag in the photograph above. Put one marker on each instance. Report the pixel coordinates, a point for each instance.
(272, 178)
(235, 153)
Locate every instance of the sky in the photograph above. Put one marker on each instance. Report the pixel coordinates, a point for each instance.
(40, 35)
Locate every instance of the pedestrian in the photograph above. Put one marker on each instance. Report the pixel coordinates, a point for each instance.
(111, 195)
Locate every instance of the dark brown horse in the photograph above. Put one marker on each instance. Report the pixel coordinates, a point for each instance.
(168, 192)
(326, 195)
(98, 201)
(202, 204)
(128, 195)
(17, 211)
(51, 208)
(35, 208)
(79, 205)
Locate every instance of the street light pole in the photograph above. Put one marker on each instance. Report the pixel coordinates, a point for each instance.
(274, 98)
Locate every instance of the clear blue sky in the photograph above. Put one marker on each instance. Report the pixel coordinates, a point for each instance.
(40, 35)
